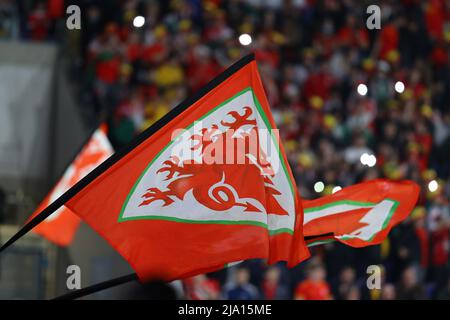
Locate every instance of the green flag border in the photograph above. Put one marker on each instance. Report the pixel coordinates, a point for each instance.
(362, 204)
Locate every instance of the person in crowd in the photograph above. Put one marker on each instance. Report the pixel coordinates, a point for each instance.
(407, 248)
(418, 217)
(388, 292)
(39, 22)
(315, 286)
(439, 222)
(409, 288)
(347, 281)
(352, 293)
(241, 288)
(272, 288)
(201, 287)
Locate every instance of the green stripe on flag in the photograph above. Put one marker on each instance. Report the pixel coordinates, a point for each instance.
(341, 202)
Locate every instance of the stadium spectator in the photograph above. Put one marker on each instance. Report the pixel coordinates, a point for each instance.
(241, 288)
(388, 292)
(353, 293)
(407, 249)
(272, 288)
(201, 288)
(347, 281)
(439, 221)
(409, 288)
(39, 22)
(421, 232)
(314, 287)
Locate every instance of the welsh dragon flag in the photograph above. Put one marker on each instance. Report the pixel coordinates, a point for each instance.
(61, 226)
(359, 215)
(207, 185)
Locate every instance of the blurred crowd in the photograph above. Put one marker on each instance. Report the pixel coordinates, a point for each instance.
(337, 91)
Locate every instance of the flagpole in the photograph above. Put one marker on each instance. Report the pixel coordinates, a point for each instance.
(98, 287)
(80, 185)
(312, 238)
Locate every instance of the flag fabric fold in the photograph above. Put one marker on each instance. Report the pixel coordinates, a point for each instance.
(359, 215)
(211, 186)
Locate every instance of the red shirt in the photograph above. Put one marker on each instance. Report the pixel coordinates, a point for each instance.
(269, 290)
(423, 238)
(351, 37)
(439, 56)
(55, 8)
(389, 40)
(439, 240)
(435, 18)
(153, 52)
(108, 70)
(311, 290)
(199, 73)
(38, 23)
(134, 51)
(319, 84)
(268, 56)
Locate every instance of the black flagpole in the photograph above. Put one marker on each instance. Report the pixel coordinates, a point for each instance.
(98, 287)
(69, 194)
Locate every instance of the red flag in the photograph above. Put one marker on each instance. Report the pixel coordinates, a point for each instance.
(359, 215)
(192, 195)
(61, 226)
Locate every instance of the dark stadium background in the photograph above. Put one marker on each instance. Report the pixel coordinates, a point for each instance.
(57, 84)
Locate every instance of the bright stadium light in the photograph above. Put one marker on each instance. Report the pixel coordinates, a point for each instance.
(245, 39)
(336, 189)
(433, 186)
(362, 89)
(364, 158)
(399, 87)
(368, 159)
(319, 186)
(371, 161)
(138, 21)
